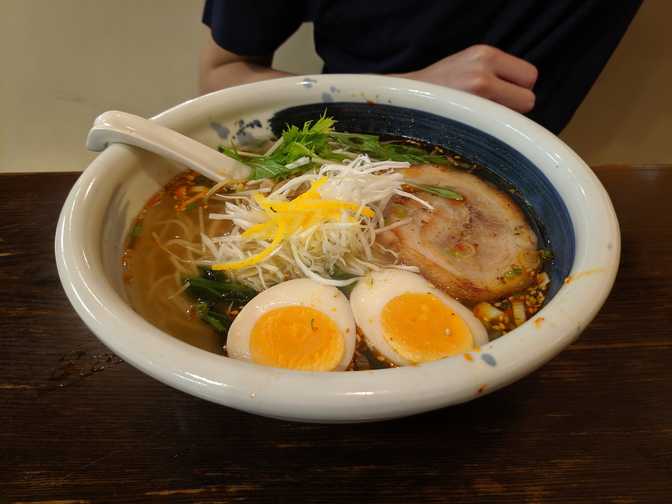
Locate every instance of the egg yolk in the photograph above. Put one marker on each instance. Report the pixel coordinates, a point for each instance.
(421, 328)
(297, 337)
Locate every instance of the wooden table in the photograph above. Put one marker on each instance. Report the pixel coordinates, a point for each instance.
(594, 425)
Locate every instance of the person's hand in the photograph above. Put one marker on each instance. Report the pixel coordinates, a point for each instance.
(485, 71)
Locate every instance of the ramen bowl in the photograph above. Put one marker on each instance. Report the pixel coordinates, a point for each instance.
(546, 177)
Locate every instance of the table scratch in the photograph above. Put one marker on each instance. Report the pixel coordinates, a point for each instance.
(67, 501)
(231, 489)
(109, 454)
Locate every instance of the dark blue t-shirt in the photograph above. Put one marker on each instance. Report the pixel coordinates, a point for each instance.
(569, 41)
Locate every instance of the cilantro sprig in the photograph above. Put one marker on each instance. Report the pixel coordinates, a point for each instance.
(318, 142)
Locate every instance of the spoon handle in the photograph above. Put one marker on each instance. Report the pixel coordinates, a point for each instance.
(121, 127)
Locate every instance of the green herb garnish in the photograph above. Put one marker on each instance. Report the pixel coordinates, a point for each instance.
(318, 142)
(546, 254)
(513, 272)
(216, 291)
(371, 145)
(218, 321)
(309, 141)
(444, 192)
(217, 298)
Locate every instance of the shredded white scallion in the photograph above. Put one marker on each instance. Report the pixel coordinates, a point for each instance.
(341, 243)
(394, 225)
(302, 161)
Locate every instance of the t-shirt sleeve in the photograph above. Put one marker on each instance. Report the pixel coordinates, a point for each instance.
(252, 28)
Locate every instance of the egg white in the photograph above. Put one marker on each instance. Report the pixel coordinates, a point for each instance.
(300, 292)
(376, 289)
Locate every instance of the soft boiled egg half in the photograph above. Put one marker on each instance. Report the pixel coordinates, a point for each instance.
(299, 324)
(408, 321)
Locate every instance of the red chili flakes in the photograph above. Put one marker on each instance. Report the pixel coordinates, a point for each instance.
(154, 200)
(181, 192)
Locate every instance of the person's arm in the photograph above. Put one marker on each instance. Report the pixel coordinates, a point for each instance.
(220, 68)
(480, 69)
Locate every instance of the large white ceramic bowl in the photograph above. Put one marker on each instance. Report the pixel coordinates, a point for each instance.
(111, 191)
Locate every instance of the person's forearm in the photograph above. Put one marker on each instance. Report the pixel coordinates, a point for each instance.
(234, 73)
(480, 69)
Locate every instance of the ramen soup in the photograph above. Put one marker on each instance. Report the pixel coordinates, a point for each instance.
(339, 252)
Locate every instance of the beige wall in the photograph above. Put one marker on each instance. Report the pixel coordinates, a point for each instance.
(627, 116)
(66, 61)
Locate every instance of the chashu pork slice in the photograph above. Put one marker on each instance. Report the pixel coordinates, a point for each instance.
(478, 249)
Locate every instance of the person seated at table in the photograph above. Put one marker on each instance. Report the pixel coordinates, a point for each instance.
(534, 56)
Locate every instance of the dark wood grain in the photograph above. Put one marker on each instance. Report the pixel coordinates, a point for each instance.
(593, 425)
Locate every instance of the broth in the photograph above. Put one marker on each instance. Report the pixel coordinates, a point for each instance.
(154, 279)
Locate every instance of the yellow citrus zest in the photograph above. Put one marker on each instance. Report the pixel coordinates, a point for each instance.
(286, 218)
